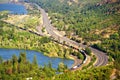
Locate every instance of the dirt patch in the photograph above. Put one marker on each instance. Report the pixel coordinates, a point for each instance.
(112, 77)
(105, 33)
(76, 60)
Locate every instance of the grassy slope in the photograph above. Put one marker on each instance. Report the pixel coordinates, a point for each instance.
(102, 73)
(11, 37)
(83, 18)
(90, 22)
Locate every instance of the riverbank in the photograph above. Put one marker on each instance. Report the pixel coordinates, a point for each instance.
(27, 45)
(41, 59)
(71, 57)
(22, 39)
(44, 53)
(76, 61)
(12, 37)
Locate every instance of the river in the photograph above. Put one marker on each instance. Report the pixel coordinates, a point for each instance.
(13, 8)
(41, 59)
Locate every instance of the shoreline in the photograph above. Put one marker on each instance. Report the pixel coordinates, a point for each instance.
(76, 60)
(44, 53)
(72, 58)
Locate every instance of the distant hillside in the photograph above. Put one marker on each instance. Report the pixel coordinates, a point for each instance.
(96, 22)
(6, 1)
(110, 1)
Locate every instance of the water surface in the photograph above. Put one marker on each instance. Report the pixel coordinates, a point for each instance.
(13, 8)
(41, 59)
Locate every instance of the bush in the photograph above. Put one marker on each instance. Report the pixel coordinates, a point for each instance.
(88, 51)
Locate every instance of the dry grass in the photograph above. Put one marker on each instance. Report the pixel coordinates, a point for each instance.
(17, 19)
(105, 33)
(22, 20)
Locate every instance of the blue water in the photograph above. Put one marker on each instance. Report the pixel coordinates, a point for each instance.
(13, 8)
(41, 59)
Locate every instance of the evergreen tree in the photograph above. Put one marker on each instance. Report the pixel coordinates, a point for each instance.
(50, 65)
(22, 58)
(88, 51)
(62, 67)
(1, 60)
(35, 61)
(14, 59)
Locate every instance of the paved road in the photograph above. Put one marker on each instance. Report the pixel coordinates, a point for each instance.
(39, 29)
(102, 58)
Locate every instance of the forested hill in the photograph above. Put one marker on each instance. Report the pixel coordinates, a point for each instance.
(91, 20)
(94, 22)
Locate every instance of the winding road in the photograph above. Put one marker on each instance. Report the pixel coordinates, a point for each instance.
(102, 58)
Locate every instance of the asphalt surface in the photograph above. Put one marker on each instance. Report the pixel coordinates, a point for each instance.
(39, 29)
(102, 58)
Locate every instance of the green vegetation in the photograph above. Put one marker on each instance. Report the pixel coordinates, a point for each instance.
(92, 61)
(34, 18)
(102, 73)
(25, 21)
(83, 18)
(112, 47)
(78, 54)
(32, 10)
(31, 23)
(12, 37)
(91, 20)
(97, 22)
(18, 68)
(4, 14)
(88, 51)
(62, 67)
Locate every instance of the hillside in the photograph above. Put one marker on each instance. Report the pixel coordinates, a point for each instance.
(93, 22)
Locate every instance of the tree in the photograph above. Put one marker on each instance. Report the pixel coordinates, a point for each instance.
(14, 59)
(88, 51)
(50, 65)
(61, 67)
(1, 60)
(80, 56)
(9, 70)
(114, 36)
(35, 61)
(15, 63)
(22, 58)
(15, 68)
(45, 40)
(66, 55)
